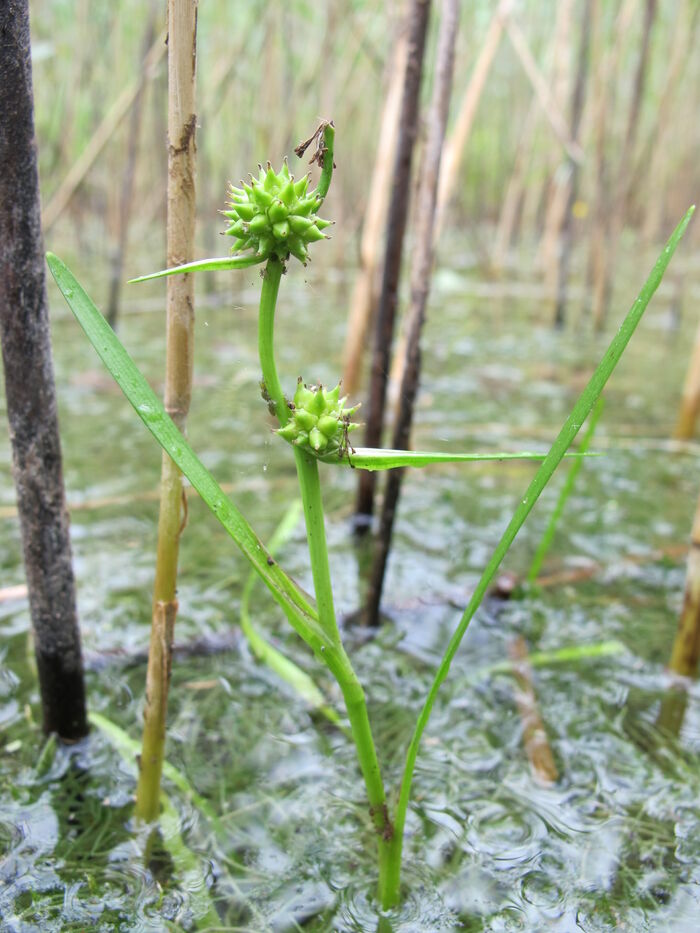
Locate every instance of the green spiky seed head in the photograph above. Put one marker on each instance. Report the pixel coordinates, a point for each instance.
(274, 215)
(319, 420)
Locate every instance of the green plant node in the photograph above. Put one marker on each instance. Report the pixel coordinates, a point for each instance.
(274, 215)
(319, 421)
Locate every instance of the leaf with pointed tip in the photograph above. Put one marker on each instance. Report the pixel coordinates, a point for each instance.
(571, 654)
(301, 614)
(202, 265)
(568, 432)
(375, 458)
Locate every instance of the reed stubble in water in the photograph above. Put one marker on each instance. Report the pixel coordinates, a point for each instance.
(686, 647)
(30, 392)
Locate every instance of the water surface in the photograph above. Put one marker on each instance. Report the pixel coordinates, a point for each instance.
(612, 844)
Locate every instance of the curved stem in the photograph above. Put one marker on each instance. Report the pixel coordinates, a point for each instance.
(335, 658)
(307, 468)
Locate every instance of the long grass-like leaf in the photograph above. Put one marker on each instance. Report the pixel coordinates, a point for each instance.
(565, 437)
(285, 669)
(300, 612)
(375, 458)
(571, 654)
(203, 265)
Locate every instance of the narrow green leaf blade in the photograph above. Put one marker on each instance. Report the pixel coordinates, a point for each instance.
(565, 437)
(203, 265)
(149, 408)
(571, 654)
(375, 458)
(285, 669)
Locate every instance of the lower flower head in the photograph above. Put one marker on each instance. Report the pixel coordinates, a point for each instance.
(319, 420)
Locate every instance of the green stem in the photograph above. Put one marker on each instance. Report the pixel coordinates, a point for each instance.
(327, 168)
(307, 468)
(356, 707)
(310, 486)
(272, 275)
(335, 658)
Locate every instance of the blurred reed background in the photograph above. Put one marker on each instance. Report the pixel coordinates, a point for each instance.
(267, 71)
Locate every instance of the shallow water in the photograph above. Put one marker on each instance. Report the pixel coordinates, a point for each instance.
(612, 844)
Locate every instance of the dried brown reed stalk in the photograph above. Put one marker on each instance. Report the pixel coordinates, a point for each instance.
(182, 56)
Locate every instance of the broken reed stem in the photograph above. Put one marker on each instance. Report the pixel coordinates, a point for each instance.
(182, 44)
(686, 647)
(690, 402)
(535, 742)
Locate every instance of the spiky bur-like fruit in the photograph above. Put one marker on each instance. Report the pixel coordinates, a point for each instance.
(319, 420)
(274, 215)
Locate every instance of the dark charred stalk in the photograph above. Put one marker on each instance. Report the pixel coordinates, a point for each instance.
(30, 392)
(396, 228)
(420, 288)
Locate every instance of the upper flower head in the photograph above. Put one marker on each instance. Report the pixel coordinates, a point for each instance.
(274, 215)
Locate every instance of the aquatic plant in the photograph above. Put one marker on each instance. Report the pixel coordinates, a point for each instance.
(317, 424)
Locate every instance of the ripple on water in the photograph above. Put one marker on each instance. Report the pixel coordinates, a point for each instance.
(613, 845)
